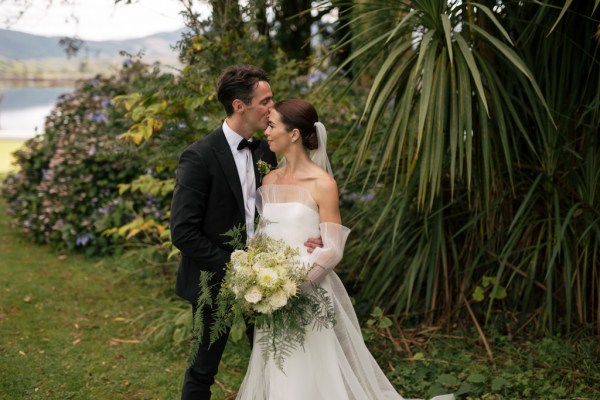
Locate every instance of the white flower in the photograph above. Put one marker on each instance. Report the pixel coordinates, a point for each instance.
(278, 299)
(243, 272)
(253, 295)
(279, 258)
(263, 307)
(237, 290)
(267, 277)
(290, 288)
(239, 258)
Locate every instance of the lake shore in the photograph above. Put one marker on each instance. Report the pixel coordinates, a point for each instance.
(45, 82)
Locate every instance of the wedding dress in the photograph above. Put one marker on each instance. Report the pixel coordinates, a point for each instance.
(333, 364)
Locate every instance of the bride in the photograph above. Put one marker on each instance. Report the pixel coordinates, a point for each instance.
(299, 200)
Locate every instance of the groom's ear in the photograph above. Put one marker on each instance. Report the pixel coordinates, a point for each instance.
(238, 105)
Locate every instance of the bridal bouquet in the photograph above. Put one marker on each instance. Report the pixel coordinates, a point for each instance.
(261, 287)
(264, 277)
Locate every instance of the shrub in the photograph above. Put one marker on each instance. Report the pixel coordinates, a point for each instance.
(66, 183)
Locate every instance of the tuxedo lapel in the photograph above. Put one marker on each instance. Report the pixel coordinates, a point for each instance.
(227, 163)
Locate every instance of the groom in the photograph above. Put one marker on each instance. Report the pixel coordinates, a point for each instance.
(217, 178)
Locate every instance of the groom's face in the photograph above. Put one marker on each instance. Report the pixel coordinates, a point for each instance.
(256, 113)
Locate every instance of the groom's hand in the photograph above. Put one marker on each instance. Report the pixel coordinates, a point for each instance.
(313, 243)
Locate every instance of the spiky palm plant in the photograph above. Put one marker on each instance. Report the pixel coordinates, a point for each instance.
(480, 132)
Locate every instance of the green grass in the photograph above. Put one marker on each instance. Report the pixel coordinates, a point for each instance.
(7, 147)
(68, 330)
(75, 328)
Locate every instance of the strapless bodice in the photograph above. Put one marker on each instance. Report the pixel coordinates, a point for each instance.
(288, 213)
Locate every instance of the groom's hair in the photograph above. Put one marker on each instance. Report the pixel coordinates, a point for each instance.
(238, 82)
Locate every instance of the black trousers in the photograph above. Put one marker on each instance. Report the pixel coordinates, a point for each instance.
(200, 376)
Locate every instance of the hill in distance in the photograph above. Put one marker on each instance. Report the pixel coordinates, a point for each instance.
(23, 54)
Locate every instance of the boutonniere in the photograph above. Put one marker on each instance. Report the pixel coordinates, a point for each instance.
(263, 168)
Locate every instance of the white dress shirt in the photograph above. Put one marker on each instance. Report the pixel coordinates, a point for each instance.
(245, 168)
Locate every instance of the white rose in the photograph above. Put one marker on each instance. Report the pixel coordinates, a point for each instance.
(278, 299)
(253, 295)
(238, 258)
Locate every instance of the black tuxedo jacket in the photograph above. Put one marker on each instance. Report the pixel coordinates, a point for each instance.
(207, 202)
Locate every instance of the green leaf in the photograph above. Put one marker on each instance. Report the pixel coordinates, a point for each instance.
(138, 113)
(478, 294)
(514, 58)
(237, 331)
(448, 380)
(499, 293)
(447, 34)
(488, 280)
(466, 388)
(472, 65)
(498, 383)
(562, 13)
(385, 323)
(476, 378)
(492, 17)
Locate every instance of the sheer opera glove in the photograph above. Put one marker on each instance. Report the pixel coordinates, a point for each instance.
(324, 259)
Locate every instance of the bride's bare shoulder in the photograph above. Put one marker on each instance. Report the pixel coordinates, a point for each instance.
(271, 177)
(325, 186)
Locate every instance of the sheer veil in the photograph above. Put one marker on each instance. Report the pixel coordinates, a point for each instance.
(318, 155)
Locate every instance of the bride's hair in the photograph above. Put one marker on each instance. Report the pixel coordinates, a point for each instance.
(300, 114)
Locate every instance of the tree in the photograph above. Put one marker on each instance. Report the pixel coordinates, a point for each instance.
(479, 137)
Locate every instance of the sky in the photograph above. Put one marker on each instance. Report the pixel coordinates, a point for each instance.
(95, 19)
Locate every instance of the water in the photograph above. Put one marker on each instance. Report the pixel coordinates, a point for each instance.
(24, 109)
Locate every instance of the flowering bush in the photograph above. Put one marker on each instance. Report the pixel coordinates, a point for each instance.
(65, 190)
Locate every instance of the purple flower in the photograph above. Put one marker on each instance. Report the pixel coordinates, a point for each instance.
(82, 240)
(98, 117)
(368, 196)
(107, 103)
(317, 76)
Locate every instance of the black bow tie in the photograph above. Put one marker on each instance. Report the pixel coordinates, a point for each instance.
(245, 143)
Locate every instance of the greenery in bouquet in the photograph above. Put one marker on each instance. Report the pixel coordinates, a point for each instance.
(261, 287)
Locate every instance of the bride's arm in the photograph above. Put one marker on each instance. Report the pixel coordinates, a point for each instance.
(333, 235)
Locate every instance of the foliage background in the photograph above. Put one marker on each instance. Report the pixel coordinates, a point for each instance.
(464, 138)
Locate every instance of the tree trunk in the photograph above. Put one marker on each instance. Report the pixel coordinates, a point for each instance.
(226, 15)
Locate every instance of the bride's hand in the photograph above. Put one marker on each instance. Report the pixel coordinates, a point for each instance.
(313, 243)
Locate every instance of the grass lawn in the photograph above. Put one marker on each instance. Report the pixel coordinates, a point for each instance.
(7, 147)
(67, 331)
(71, 328)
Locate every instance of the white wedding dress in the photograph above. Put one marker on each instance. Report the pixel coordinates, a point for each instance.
(334, 364)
